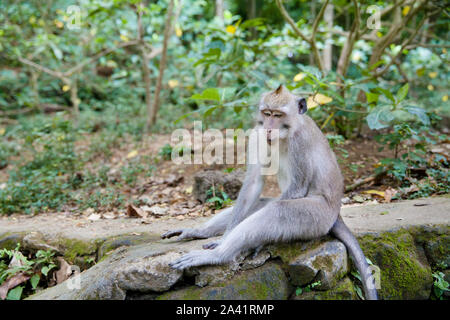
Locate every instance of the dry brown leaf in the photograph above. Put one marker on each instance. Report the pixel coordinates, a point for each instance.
(12, 283)
(135, 212)
(95, 217)
(109, 215)
(388, 194)
(64, 272)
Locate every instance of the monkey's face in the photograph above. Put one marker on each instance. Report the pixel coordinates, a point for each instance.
(279, 111)
(275, 123)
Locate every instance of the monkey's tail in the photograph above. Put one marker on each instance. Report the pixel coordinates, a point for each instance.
(343, 233)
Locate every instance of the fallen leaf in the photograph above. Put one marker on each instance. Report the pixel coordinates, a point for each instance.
(12, 283)
(155, 210)
(64, 272)
(95, 217)
(188, 190)
(358, 199)
(375, 192)
(88, 211)
(136, 212)
(132, 154)
(109, 215)
(388, 194)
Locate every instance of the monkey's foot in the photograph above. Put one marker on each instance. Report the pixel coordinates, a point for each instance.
(184, 234)
(211, 245)
(195, 258)
(257, 250)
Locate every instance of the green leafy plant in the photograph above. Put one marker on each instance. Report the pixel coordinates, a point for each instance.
(14, 262)
(440, 286)
(307, 288)
(217, 198)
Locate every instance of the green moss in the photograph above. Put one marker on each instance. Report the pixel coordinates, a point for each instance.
(266, 282)
(74, 248)
(323, 263)
(9, 240)
(403, 274)
(289, 251)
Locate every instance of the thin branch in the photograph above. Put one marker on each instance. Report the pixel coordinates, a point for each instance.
(405, 43)
(311, 40)
(162, 65)
(56, 74)
(317, 20)
(289, 20)
(344, 58)
(99, 55)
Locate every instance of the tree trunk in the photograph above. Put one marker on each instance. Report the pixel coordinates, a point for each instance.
(162, 64)
(219, 9)
(328, 50)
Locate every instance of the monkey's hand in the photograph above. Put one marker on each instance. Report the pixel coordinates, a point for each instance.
(197, 258)
(184, 234)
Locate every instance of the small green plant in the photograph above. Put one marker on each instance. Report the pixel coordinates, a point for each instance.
(14, 262)
(335, 142)
(166, 152)
(413, 159)
(217, 198)
(439, 286)
(308, 288)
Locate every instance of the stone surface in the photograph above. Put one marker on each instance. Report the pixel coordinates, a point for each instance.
(405, 272)
(230, 182)
(136, 266)
(344, 290)
(268, 282)
(326, 263)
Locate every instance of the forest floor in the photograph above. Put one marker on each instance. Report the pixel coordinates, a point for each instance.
(166, 196)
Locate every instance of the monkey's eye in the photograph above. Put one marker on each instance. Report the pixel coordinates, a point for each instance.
(277, 115)
(266, 113)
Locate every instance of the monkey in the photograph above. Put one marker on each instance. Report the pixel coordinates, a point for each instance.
(311, 187)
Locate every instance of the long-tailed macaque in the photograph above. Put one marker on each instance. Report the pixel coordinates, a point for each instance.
(311, 187)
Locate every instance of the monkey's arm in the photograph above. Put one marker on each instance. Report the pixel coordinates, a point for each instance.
(248, 196)
(246, 204)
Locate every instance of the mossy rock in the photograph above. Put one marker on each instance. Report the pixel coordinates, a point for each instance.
(115, 242)
(405, 272)
(10, 240)
(344, 290)
(264, 283)
(436, 243)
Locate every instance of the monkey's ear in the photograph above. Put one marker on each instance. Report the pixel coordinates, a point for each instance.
(302, 106)
(279, 89)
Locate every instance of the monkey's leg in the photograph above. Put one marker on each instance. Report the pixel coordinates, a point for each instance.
(280, 220)
(216, 226)
(258, 205)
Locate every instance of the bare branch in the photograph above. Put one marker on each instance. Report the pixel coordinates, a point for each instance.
(56, 74)
(289, 20)
(317, 20)
(81, 65)
(405, 43)
(346, 52)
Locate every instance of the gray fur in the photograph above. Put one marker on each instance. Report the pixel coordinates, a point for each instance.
(308, 208)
